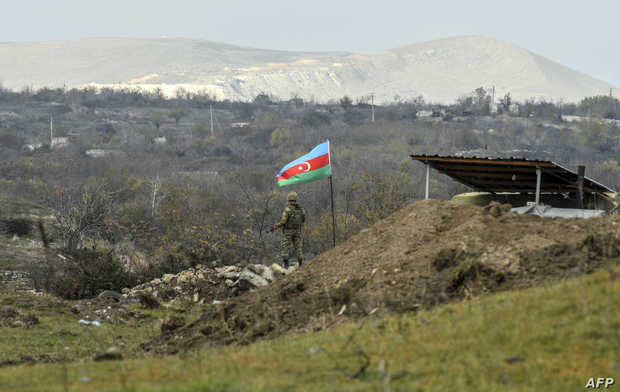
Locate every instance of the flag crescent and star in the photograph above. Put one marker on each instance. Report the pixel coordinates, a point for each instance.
(310, 167)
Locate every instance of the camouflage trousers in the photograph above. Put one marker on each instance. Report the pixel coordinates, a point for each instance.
(291, 238)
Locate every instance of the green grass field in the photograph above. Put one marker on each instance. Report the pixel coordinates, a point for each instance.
(58, 336)
(550, 338)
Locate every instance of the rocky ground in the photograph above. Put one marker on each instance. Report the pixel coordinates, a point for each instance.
(206, 285)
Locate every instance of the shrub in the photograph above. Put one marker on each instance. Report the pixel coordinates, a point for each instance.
(16, 226)
(81, 274)
(281, 137)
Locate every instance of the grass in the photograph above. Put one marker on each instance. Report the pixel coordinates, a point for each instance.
(553, 338)
(59, 337)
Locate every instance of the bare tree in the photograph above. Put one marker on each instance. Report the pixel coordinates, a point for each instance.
(82, 214)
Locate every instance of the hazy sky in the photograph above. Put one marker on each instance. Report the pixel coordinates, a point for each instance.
(583, 35)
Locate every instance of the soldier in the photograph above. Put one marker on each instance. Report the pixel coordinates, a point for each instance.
(292, 222)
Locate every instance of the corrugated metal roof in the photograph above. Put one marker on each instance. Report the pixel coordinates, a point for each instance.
(509, 174)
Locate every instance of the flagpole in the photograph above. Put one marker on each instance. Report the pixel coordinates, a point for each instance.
(331, 188)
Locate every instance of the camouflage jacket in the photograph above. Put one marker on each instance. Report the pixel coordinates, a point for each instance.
(293, 217)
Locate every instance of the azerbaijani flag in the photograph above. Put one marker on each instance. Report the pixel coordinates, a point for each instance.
(310, 167)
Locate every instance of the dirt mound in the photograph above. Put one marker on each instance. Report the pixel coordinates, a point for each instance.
(428, 253)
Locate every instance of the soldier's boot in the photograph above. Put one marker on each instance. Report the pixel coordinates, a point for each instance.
(285, 263)
(300, 261)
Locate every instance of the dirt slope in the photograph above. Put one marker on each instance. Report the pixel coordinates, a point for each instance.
(428, 253)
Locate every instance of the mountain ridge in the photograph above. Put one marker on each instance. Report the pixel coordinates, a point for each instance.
(441, 70)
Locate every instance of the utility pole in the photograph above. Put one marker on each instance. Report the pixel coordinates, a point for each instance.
(211, 111)
(155, 187)
(51, 131)
(372, 106)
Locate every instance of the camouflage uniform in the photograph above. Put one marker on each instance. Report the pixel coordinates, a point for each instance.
(293, 219)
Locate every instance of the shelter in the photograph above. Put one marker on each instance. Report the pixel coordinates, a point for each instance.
(519, 179)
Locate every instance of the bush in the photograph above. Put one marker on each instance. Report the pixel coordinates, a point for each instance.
(81, 274)
(16, 226)
(281, 137)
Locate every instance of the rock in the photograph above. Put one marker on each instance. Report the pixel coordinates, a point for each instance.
(268, 274)
(111, 354)
(167, 278)
(263, 271)
(252, 278)
(185, 277)
(229, 275)
(156, 282)
(228, 269)
(279, 271)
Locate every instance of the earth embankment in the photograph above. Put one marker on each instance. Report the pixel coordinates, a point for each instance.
(428, 253)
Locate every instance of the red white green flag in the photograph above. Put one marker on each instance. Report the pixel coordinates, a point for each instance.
(311, 167)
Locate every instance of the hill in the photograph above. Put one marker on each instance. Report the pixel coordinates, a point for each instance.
(440, 70)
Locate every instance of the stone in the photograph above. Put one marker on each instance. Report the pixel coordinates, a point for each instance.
(278, 270)
(167, 278)
(252, 278)
(185, 277)
(268, 275)
(228, 269)
(263, 271)
(229, 275)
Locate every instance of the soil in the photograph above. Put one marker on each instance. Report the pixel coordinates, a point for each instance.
(428, 253)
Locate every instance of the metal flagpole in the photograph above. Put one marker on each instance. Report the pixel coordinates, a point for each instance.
(331, 188)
